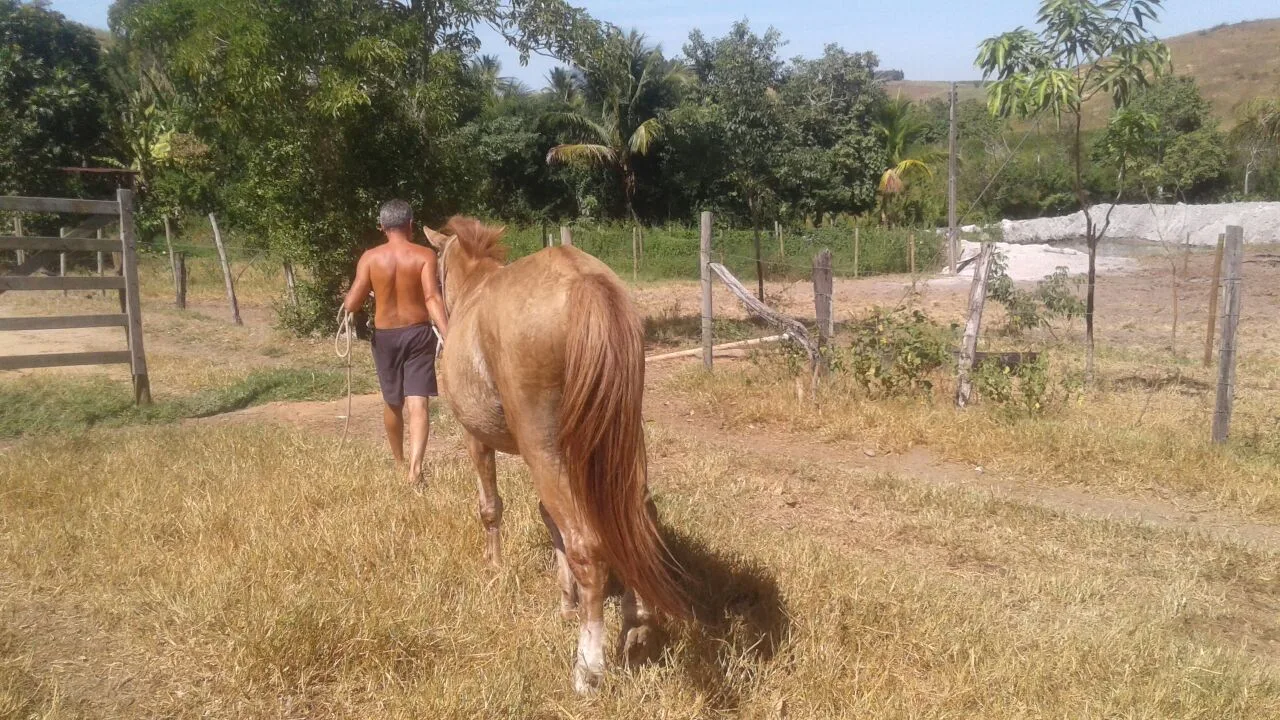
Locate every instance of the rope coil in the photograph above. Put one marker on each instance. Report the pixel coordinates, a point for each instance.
(342, 348)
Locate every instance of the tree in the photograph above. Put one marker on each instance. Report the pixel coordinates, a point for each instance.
(739, 76)
(1257, 134)
(902, 130)
(832, 156)
(625, 127)
(54, 92)
(1085, 49)
(315, 112)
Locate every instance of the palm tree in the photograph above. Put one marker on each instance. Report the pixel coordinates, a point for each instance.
(618, 123)
(901, 129)
(564, 86)
(488, 69)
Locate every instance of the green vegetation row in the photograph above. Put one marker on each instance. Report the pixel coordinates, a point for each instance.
(672, 253)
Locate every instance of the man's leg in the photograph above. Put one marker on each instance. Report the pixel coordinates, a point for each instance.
(393, 420)
(419, 428)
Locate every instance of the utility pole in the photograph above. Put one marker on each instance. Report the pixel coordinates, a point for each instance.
(953, 232)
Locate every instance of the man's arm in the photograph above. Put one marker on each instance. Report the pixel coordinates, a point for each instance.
(431, 294)
(360, 287)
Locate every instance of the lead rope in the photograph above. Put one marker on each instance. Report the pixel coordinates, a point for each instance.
(342, 348)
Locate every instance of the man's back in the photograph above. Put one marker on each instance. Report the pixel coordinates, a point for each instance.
(395, 271)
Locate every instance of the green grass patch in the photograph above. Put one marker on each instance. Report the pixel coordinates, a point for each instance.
(62, 404)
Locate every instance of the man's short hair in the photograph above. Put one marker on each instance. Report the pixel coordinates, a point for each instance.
(395, 214)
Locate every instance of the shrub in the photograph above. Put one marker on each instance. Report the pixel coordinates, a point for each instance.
(897, 352)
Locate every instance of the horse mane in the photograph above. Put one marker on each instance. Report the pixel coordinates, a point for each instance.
(477, 240)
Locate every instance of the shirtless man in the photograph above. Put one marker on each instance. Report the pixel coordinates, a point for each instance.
(407, 299)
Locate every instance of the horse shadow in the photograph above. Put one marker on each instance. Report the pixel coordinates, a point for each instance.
(740, 618)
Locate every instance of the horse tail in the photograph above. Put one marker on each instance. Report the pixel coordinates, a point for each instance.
(602, 439)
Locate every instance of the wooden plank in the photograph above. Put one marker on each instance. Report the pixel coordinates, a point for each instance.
(566, 235)
(704, 263)
(23, 362)
(718, 349)
(789, 326)
(972, 328)
(63, 244)
(13, 203)
(133, 305)
(9, 282)
(1233, 259)
(62, 322)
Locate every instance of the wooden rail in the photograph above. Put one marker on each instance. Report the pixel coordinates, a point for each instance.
(60, 244)
(71, 206)
(63, 322)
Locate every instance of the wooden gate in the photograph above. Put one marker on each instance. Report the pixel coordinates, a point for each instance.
(125, 281)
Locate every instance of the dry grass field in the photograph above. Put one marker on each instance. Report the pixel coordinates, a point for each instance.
(850, 556)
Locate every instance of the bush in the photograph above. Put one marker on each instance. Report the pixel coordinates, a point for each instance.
(897, 352)
(1026, 388)
(1025, 310)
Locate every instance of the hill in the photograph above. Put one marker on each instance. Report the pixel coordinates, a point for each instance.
(1231, 63)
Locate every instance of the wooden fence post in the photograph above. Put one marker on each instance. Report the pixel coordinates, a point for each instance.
(1214, 291)
(911, 252)
(102, 263)
(855, 251)
(704, 271)
(290, 283)
(17, 232)
(62, 257)
(168, 242)
(822, 290)
(226, 271)
(777, 230)
(635, 253)
(566, 236)
(180, 291)
(1233, 259)
(969, 347)
(129, 256)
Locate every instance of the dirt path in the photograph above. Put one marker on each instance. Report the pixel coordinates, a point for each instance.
(917, 466)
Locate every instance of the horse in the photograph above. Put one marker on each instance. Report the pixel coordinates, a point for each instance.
(545, 359)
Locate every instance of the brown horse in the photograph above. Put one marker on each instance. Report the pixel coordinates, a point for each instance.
(545, 359)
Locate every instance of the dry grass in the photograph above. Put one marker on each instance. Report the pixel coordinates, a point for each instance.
(1147, 435)
(250, 572)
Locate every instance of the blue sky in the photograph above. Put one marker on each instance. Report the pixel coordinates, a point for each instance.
(927, 39)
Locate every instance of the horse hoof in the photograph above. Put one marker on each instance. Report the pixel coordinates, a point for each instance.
(639, 646)
(585, 680)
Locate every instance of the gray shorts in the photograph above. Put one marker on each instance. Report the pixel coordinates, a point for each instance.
(406, 362)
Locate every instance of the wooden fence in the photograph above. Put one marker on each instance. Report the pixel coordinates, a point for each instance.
(35, 252)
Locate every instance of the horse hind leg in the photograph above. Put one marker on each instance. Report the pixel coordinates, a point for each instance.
(592, 575)
(490, 503)
(564, 575)
(638, 638)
